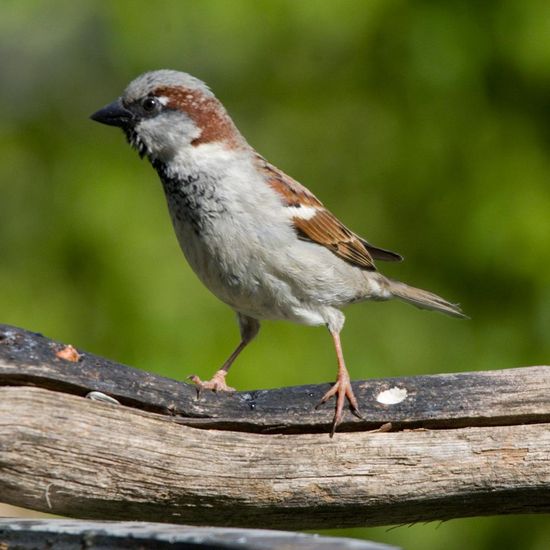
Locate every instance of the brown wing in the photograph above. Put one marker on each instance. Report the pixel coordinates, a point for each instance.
(325, 229)
(322, 227)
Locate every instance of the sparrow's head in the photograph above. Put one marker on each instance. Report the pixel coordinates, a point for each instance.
(163, 111)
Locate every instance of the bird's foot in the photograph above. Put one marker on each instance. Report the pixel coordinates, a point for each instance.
(216, 383)
(342, 389)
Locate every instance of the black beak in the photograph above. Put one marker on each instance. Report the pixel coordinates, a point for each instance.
(114, 114)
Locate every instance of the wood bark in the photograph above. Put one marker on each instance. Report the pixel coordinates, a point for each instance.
(459, 445)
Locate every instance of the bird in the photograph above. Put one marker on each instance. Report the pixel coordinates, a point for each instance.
(259, 240)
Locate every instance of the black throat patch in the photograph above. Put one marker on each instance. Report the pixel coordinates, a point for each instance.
(192, 198)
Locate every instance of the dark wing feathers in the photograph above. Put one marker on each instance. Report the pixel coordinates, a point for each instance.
(381, 253)
(323, 227)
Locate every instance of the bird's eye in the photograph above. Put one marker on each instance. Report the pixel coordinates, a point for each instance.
(149, 104)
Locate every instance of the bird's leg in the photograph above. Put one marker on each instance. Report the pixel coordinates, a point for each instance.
(249, 328)
(342, 388)
(217, 382)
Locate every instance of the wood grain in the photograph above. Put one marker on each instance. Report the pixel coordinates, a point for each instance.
(64, 454)
(458, 445)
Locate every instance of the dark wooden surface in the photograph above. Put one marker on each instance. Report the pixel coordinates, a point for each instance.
(103, 535)
(488, 398)
(459, 445)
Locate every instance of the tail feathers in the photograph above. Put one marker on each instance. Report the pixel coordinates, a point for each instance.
(424, 299)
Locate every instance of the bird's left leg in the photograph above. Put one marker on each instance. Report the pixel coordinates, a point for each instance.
(249, 327)
(342, 388)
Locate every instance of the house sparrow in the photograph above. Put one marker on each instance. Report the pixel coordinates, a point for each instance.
(259, 240)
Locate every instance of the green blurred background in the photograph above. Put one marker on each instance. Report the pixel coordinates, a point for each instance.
(424, 125)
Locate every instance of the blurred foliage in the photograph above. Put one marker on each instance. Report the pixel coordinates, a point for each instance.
(424, 125)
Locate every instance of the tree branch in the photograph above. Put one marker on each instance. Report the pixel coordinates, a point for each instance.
(261, 463)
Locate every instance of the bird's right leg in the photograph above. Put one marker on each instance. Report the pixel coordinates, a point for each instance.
(249, 327)
(342, 388)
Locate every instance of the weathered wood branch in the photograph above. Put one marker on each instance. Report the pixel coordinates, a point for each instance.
(506, 397)
(65, 534)
(482, 447)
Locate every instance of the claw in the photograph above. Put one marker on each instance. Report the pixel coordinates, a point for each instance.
(342, 389)
(249, 328)
(216, 383)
